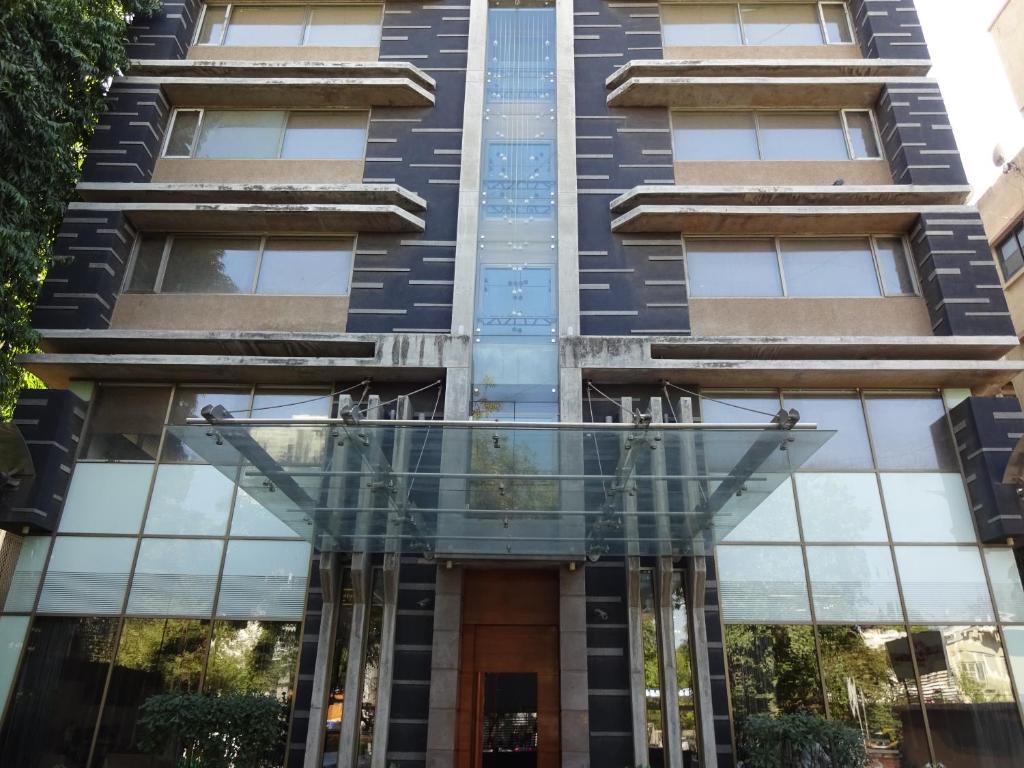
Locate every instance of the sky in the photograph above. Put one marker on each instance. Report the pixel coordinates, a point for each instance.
(973, 82)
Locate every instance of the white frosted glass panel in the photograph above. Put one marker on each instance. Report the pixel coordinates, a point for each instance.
(175, 577)
(849, 447)
(911, 433)
(253, 519)
(1006, 584)
(106, 498)
(714, 136)
(355, 25)
(774, 519)
(840, 507)
(87, 575)
(191, 499)
(12, 640)
(854, 584)
(700, 25)
(944, 584)
(928, 508)
(277, 26)
(21, 595)
(762, 584)
(264, 579)
(1015, 653)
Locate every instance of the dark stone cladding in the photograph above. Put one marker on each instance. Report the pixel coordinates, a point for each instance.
(958, 276)
(50, 421)
(918, 138)
(889, 29)
(167, 33)
(129, 135)
(629, 284)
(307, 664)
(405, 282)
(90, 254)
(987, 429)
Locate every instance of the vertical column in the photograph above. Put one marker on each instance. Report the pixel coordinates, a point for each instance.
(330, 584)
(444, 669)
(348, 744)
(575, 703)
(672, 737)
(637, 676)
(386, 676)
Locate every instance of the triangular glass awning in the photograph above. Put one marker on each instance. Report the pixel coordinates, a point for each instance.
(500, 489)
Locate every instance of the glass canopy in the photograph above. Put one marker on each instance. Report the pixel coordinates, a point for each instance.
(500, 489)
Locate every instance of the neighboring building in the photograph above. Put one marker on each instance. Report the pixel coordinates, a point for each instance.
(1008, 32)
(434, 367)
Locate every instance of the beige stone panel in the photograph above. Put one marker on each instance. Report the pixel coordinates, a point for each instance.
(783, 172)
(763, 52)
(903, 316)
(282, 53)
(1015, 300)
(1008, 33)
(219, 170)
(224, 312)
(1003, 204)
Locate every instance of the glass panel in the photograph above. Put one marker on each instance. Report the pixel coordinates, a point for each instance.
(829, 268)
(655, 723)
(213, 25)
(724, 268)
(271, 25)
(854, 584)
(155, 656)
(965, 684)
(21, 592)
(91, 507)
(762, 584)
(738, 409)
(189, 499)
(509, 738)
(339, 671)
(264, 578)
(311, 267)
(837, 25)
(862, 135)
(188, 403)
(325, 135)
(147, 265)
(125, 423)
(894, 266)
(944, 584)
(714, 136)
(802, 136)
(1015, 650)
(842, 507)
(928, 508)
(774, 519)
(355, 25)
(911, 433)
(240, 133)
(849, 447)
(175, 577)
(699, 25)
(870, 686)
(770, 24)
(12, 639)
(684, 674)
(1004, 572)
(183, 133)
(211, 265)
(371, 670)
(87, 575)
(1010, 255)
(251, 518)
(52, 715)
(291, 403)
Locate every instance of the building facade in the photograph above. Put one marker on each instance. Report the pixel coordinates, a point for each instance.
(520, 383)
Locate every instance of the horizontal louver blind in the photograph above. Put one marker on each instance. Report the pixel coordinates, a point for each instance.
(264, 579)
(176, 577)
(87, 575)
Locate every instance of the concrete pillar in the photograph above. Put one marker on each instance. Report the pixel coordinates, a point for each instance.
(637, 678)
(386, 675)
(348, 745)
(331, 586)
(444, 669)
(575, 702)
(672, 736)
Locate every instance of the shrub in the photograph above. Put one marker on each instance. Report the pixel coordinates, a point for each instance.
(801, 741)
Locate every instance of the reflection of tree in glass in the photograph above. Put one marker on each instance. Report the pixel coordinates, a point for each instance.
(253, 657)
(772, 669)
(504, 452)
(171, 649)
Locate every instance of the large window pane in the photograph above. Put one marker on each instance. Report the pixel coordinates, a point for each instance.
(774, 519)
(833, 267)
(310, 267)
(928, 508)
(52, 714)
(271, 25)
(729, 268)
(93, 506)
(251, 518)
(894, 267)
(802, 136)
(727, 408)
(213, 25)
(188, 403)
(125, 423)
(355, 25)
(147, 265)
(87, 575)
(714, 136)
(762, 584)
(849, 447)
(240, 133)
(854, 584)
(325, 136)
(911, 433)
(770, 24)
(28, 571)
(189, 499)
(1004, 573)
(12, 639)
(862, 135)
(699, 25)
(837, 25)
(175, 577)
(944, 584)
(840, 507)
(211, 265)
(1015, 651)
(264, 578)
(183, 133)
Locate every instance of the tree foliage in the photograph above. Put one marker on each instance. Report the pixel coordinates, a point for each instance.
(801, 741)
(55, 58)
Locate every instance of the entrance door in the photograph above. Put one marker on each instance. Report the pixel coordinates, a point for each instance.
(509, 707)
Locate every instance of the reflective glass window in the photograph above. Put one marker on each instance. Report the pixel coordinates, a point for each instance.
(125, 423)
(251, 518)
(774, 519)
(849, 447)
(781, 24)
(354, 25)
(862, 134)
(305, 266)
(264, 578)
(733, 268)
(854, 584)
(894, 267)
(13, 630)
(1015, 652)
(727, 408)
(1011, 252)
(213, 25)
(684, 673)
(175, 577)
(325, 135)
(747, 574)
(191, 499)
(928, 507)
(211, 265)
(700, 25)
(654, 720)
(92, 507)
(188, 403)
(944, 584)
(240, 133)
(1004, 572)
(87, 574)
(714, 136)
(183, 133)
(837, 24)
(268, 25)
(911, 433)
(28, 571)
(840, 507)
(802, 136)
(253, 657)
(371, 668)
(146, 267)
(839, 267)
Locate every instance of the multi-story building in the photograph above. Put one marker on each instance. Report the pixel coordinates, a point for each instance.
(521, 383)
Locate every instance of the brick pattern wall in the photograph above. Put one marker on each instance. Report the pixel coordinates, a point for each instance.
(918, 138)
(129, 135)
(889, 29)
(307, 664)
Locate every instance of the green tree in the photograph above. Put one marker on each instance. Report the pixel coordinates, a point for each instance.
(55, 58)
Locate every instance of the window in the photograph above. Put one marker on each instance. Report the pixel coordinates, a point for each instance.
(125, 424)
(267, 134)
(291, 25)
(755, 24)
(282, 266)
(846, 267)
(1011, 251)
(775, 135)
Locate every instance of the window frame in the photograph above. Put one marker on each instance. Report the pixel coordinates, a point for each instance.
(1015, 232)
(777, 240)
(306, 23)
(263, 238)
(741, 27)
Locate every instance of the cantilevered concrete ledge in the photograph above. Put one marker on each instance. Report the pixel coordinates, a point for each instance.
(778, 219)
(268, 194)
(756, 92)
(240, 217)
(891, 194)
(774, 68)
